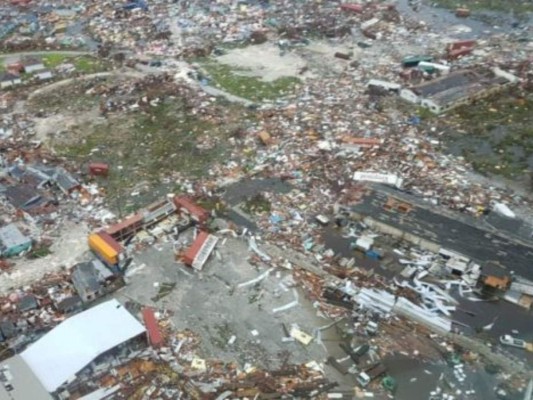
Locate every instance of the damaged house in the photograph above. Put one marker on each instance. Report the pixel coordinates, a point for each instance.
(7, 80)
(13, 241)
(89, 279)
(24, 197)
(458, 88)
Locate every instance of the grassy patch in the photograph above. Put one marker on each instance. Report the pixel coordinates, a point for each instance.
(39, 252)
(495, 135)
(495, 5)
(149, 146)
(52, 60)
(84, 63)
(425, 114)
(89, 65)
(252, 88)
(71, 97)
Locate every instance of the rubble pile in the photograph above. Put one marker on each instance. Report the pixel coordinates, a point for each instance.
(336, 188)
(212, 378)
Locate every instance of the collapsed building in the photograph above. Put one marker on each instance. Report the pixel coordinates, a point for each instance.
(49, 365)
(458, 88)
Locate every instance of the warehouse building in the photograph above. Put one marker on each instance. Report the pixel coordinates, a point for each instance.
(39, 372)
(458, 88)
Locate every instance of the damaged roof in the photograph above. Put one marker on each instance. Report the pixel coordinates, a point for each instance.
(77, 341)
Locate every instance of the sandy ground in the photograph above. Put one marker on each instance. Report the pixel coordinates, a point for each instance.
(265, 61)
(221, 302)
(57, 123)
(69, 248)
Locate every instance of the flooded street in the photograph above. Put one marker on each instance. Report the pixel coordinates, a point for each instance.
(444, 21)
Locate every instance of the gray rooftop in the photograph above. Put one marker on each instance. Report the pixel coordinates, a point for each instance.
(456, 93)
(453, 80)
(23, 196)
(85, 279)
(21, 383)
(457, 84)
(5, 77)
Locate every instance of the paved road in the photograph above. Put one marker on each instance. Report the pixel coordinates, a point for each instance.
(476, 242)
(124, 73)
(43, 53)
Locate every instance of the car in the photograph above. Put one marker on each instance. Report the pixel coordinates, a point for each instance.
(511, 341)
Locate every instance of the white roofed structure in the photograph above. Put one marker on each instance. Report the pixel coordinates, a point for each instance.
(60, 354)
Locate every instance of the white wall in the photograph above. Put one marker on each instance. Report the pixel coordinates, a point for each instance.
(409, 95)
(431, 106)
(32, 68)
(503, 74)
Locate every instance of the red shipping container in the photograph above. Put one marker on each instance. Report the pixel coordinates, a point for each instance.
(111, 241)
(453, 54)
(198, 213)
(357, 8)
(154, 334)
(99, 169)
(126, 227)
(191, 253)
(460, 44)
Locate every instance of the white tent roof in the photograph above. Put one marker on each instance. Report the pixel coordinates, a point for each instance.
(77, 341)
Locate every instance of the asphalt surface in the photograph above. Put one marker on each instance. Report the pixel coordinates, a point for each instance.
(480, 245)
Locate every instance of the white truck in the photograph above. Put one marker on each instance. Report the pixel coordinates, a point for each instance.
(367, 376)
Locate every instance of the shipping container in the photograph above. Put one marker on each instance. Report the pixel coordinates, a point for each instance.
(126, 228)
(433, 67)
(460, 44)
(197, 213)
(356, 8)
(106, 248)
(190, 254)
(413, 61)
(98, 169)
(453, 54)
(152, 328)
(199, 252)
(157, 211)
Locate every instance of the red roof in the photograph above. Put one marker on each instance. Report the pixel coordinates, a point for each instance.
(195, 210)
(192, 251)
(154, 334)
(111, 242)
